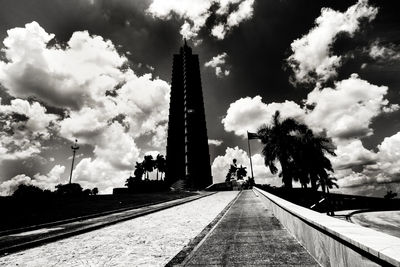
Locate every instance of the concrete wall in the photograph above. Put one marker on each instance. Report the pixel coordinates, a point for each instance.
(331, 241)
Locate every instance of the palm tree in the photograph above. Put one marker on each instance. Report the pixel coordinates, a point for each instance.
(139, 171)
(138, 174)
(326, 183)
(160, 164)
(280, 144)
(300, 153)
(148, 165)
(311, 159)
(241, 172)
(232, 171)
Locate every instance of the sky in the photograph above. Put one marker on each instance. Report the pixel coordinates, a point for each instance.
(99, 71)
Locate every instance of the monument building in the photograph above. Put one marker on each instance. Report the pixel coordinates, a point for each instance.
(188, 158)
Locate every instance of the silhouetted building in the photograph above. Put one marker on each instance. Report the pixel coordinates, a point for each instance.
(188, 158)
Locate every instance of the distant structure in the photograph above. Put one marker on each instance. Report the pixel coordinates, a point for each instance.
(188, 158)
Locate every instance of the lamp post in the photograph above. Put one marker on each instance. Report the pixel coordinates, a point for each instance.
(74, 148)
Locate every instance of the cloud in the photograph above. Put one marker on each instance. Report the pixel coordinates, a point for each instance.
(352, 154)
(312, 59)
(217, 63)
(48, 181)
(215, 142)
(23, 126)
(8, 187)
(195, 14)
(98, 172)
(106, 104)
(352, 179)
(70, 77)
(346, 111)
(382, 167)
(242, 13)
(248, 114)
(389, 52)
(220, 166)
(388, 159)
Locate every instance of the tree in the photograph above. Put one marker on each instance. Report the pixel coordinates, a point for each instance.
(279, 144)
(87, 192)
(138, 174)
(241, 172)
(232, 171)
(390, 194)
(300, 153)
(160, 164)
(28, 191)
(72, 189)
(312, 163)
(95, 191)
(148, 165)
(139, 171)
(327, 183)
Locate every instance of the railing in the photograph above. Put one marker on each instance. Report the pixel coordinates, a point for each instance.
(331, 241)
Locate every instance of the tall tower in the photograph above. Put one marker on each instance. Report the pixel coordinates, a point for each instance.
(188, 157)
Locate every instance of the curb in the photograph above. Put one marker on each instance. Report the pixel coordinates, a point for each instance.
(15, 248)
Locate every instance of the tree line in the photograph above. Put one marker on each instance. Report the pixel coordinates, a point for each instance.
(65, 190)
(149, 164)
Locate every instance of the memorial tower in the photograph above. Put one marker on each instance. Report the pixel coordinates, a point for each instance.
(188, 158)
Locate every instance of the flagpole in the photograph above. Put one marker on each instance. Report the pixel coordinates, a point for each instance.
(251, 163)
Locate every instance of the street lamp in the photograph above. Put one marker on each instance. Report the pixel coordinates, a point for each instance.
(74, 148)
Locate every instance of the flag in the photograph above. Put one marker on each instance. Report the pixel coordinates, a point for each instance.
(252, 136)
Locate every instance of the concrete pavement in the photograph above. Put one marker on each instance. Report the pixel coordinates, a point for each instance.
(13, 242)
(150, 240)
(249, 235)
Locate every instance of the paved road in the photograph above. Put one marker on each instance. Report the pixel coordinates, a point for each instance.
(17, 241)
(383, 221)
(249, 235)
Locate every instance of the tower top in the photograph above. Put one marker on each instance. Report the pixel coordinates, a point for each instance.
(185, 47)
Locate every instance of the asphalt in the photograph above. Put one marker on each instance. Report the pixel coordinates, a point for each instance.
(249, 235)
(16, 241)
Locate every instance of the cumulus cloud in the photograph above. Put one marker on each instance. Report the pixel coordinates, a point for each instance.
(48, 181)
(389, 160)
(312, 59)
(381, 167)
(348, 178)
(23, 126)
(100, 173)
(106, 105)
(352, 154)
(220, 166)
(196, 13)
(215, 142)
(346, 111)
(218, 62)
(248, 114)
(243, 12)
(70, 77)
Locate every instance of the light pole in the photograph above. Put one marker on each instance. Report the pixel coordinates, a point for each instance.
(74, 148)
